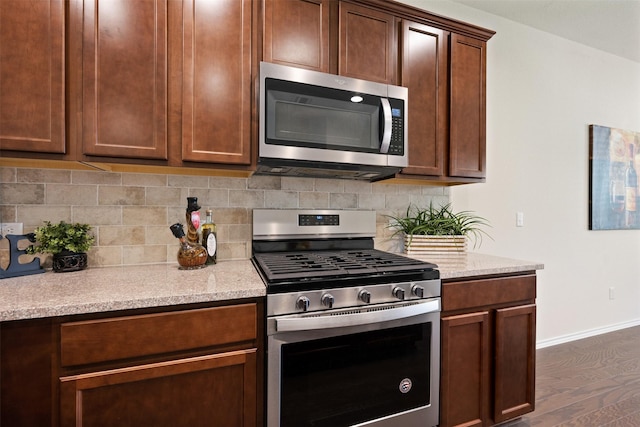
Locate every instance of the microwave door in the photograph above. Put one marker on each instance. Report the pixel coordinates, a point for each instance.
(386, 125)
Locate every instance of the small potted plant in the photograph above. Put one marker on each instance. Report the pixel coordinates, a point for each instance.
(438, 230)
(67, 242)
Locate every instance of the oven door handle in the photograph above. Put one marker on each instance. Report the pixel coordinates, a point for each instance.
(355, 319)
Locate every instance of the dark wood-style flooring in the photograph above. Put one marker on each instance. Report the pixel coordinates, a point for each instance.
(589, 382)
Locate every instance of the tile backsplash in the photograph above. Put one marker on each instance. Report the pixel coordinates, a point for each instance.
(130, 213)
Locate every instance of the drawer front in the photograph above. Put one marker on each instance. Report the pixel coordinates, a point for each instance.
(144, 335)
(473, 294)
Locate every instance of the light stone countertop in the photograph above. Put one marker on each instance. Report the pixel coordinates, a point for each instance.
(106, 289)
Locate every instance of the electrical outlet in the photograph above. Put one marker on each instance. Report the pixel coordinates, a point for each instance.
(519, 219)
(11, 228)
(612, 293)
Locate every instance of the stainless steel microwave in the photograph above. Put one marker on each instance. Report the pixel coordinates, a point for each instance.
(324, 125)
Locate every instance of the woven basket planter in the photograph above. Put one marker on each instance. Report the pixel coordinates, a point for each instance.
(434, 245)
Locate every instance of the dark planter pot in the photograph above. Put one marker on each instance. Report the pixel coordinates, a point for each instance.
(69, 261)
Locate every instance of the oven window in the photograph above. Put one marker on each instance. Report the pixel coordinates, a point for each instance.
(345, 380)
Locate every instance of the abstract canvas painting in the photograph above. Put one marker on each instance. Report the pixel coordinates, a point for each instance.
(613, 180)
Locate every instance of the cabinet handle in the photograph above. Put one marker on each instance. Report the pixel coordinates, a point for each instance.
(386, 129)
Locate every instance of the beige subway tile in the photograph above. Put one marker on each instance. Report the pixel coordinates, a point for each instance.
(164, 196)
(117, 195)
(246, 198)
(232, 216)
(234, 233)
(105, 256)
(176, 215)
(70, 194)
(8, 213)
(144, 180)
(429, 190)
(352, 186)
(188, 181)
(160, 235)
(297, 184)
(146, 254)
(22, 194)
(112, 235)
(144, 215)
(329, 185)
(313, 200)
(371, 201)
(234, 251)
(96, 177)
(45, 176)
(280, 199)
(343, 201)
(410, 189)
(33, 216)
(212, 198)
(264, 182)
(227, 182)
(8, 174)
(397, 201)
(97, 215)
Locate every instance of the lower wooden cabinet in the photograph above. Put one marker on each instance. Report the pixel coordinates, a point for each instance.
(488, 350)
(190, 367)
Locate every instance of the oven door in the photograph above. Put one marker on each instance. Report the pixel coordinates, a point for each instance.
(373, 367)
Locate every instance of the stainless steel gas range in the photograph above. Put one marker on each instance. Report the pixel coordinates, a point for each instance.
(353, 336)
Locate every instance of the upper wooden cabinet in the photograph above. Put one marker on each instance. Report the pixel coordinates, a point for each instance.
(297, 33)
(216, 98)
(330, 36)
(124, 79)
(467, 143)
(32, 76)
(424, 72)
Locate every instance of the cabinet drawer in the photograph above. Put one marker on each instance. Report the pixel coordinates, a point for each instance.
(118, 338)
(488, 292)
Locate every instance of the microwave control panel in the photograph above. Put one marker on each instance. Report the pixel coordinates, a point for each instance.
(396, 146)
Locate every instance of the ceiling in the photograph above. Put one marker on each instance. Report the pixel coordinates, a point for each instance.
(609, 25)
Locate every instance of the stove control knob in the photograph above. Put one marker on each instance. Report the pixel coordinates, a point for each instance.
(303, 303)
(417, 291)
(365, 296)
(327, 300)
(398, 293)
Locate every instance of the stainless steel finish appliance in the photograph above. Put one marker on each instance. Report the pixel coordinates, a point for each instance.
(353, 334)
(324, 125)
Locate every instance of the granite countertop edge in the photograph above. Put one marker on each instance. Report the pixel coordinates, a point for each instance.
(107, 289)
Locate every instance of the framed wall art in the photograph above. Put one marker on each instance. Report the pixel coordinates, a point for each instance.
(613, 178)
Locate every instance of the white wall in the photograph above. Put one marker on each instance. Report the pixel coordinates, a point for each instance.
(542, 93)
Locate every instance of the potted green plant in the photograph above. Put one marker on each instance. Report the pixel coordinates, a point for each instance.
(438, 230)
(67, 242)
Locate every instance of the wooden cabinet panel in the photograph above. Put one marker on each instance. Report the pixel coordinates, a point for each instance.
(424, 73)
(117, 338)
(214, 390)
(32, 77)
(467, 146)
(515, 362)
(367, 44)
(469, 294)
(465, 366)
(216, 105)
(296, 33)
(124, 63)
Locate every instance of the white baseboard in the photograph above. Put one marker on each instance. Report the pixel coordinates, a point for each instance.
(585, 334)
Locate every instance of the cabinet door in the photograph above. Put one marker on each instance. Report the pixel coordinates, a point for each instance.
(32, 76)
(367, 44)
(467, 151)
(465, 358)
(424, 72)
(124, 63)
(296, 32)
(215, 390)
(216, 121)
(515, 362)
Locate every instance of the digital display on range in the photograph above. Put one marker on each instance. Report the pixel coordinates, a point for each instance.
(311, 220)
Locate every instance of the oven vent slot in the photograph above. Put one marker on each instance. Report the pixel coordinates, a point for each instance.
(359, 310)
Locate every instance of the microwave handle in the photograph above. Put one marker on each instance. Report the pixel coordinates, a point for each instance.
(386, 128)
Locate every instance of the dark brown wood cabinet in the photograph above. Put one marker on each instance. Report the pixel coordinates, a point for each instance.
(216, 97)
(187, 367)
(488, 350)
(124, 79)
(331, 36)
(32, 76)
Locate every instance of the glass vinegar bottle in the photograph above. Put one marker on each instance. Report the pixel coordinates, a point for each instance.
(210, 238)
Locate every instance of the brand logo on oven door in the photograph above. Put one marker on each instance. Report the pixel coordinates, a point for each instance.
(405, 385)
